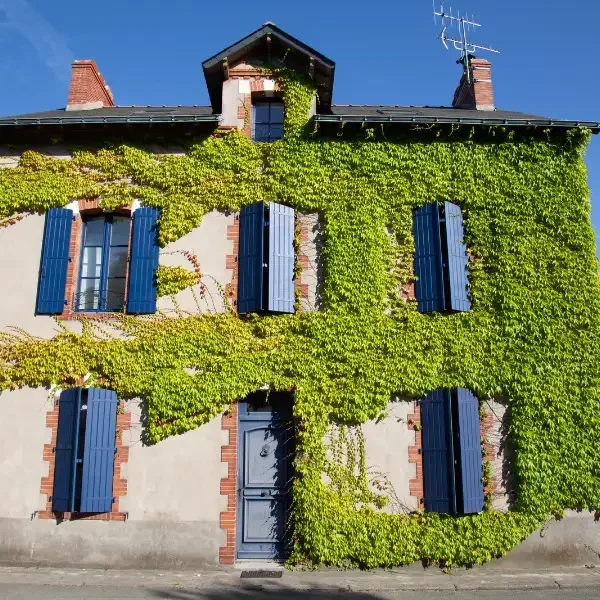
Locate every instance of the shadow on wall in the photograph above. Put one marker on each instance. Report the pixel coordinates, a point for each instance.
(505, 450)
(275, 591)
(319, 266)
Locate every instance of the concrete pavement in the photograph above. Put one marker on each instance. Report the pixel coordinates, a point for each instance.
(412, 583)
(32, 592)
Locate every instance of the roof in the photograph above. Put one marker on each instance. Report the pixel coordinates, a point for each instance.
(443, 114)
(270, 39)
(339, 114)
(115, 114)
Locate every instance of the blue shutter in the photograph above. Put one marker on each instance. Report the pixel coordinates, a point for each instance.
(281, 258)
(437, 452)
(469, 435)
(65, 452)
(144, 262)
(429, 287)
(250, 259)
(457, 258)
(55, 259)
(99, 451)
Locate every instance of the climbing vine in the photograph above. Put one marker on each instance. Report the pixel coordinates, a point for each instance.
(532, 335)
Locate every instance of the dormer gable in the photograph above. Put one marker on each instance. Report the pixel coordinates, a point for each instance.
(247, 59)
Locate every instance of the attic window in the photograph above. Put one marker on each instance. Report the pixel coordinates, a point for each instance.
(267, 120)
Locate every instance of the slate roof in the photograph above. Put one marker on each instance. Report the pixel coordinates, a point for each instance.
(339, 114)
(443, 114)
(115, 114)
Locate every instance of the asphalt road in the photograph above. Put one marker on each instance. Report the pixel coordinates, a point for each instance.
(22, 591)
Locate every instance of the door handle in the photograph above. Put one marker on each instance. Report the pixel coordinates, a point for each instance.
(268, 493)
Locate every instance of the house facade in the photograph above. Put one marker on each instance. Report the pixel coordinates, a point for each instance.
(279, 328)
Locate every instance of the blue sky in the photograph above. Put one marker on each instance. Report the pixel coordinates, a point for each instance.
(150, 52)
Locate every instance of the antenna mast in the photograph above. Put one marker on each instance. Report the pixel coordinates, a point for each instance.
(461, 43)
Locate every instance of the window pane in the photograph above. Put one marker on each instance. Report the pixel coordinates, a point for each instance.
(276, 112)
(117, 263)
(94, 232)
(89, 294)
(261, 133)
(120, 231)
(91, 262)
(261, 113)
(276, 132)
(115, 294)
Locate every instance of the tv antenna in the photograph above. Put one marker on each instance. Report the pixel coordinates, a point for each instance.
(461, 43)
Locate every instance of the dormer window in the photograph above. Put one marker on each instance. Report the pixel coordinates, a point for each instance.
(267, 120)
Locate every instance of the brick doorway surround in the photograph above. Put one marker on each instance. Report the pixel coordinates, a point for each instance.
(229, 452)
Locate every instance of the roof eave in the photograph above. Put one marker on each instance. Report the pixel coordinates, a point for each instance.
(108, 120)
(421, 120)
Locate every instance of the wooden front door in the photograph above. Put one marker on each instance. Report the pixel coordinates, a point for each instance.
(266, 447)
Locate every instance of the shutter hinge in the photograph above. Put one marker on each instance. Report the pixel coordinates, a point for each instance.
(126, 515)
(236, 259)
(70, 259)
(66, 302)
(419, 451)
(54, 450)
(116, 450)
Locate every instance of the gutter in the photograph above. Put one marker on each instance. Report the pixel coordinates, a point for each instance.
(107, 120)
(593, 125)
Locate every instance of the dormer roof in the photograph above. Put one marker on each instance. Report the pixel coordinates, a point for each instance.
(272, 46)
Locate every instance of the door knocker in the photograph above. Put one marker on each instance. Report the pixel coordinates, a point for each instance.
(264, 451)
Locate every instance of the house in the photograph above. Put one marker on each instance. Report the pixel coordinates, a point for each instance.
(276, 327)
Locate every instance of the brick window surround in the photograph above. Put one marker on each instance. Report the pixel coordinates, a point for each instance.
(87, 208)
(257, 89)
(231, 260)
(119, 484)
(415, 457)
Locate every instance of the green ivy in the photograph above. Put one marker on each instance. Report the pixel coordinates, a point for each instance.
(531, 337)
(171, 280)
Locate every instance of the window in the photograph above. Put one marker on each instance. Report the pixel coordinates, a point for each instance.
(102, 266)
(266, 259)
(451, 450)
(105, 248)
(441, 262)
(267, 121)
(85, 451)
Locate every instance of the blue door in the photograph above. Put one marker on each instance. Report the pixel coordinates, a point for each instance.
(266, 448)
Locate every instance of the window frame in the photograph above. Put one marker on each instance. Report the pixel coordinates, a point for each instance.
(270, 102)
(104, 277)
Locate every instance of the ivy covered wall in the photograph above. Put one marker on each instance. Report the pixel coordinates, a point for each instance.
(532, 335)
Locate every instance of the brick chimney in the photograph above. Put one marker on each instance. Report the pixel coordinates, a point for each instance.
(475, 91)
(88, 89)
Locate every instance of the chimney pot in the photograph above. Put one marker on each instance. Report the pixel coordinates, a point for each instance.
(88, 89)
(475, 91)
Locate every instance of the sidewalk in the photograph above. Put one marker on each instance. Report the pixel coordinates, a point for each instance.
(412, 578)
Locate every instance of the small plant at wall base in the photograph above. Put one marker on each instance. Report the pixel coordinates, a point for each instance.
(532, 335)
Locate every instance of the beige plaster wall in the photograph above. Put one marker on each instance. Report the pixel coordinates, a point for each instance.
(387, 443)
(20, 253)
(24, 433)
(177, 479)
(210, 244)
(386, 447)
